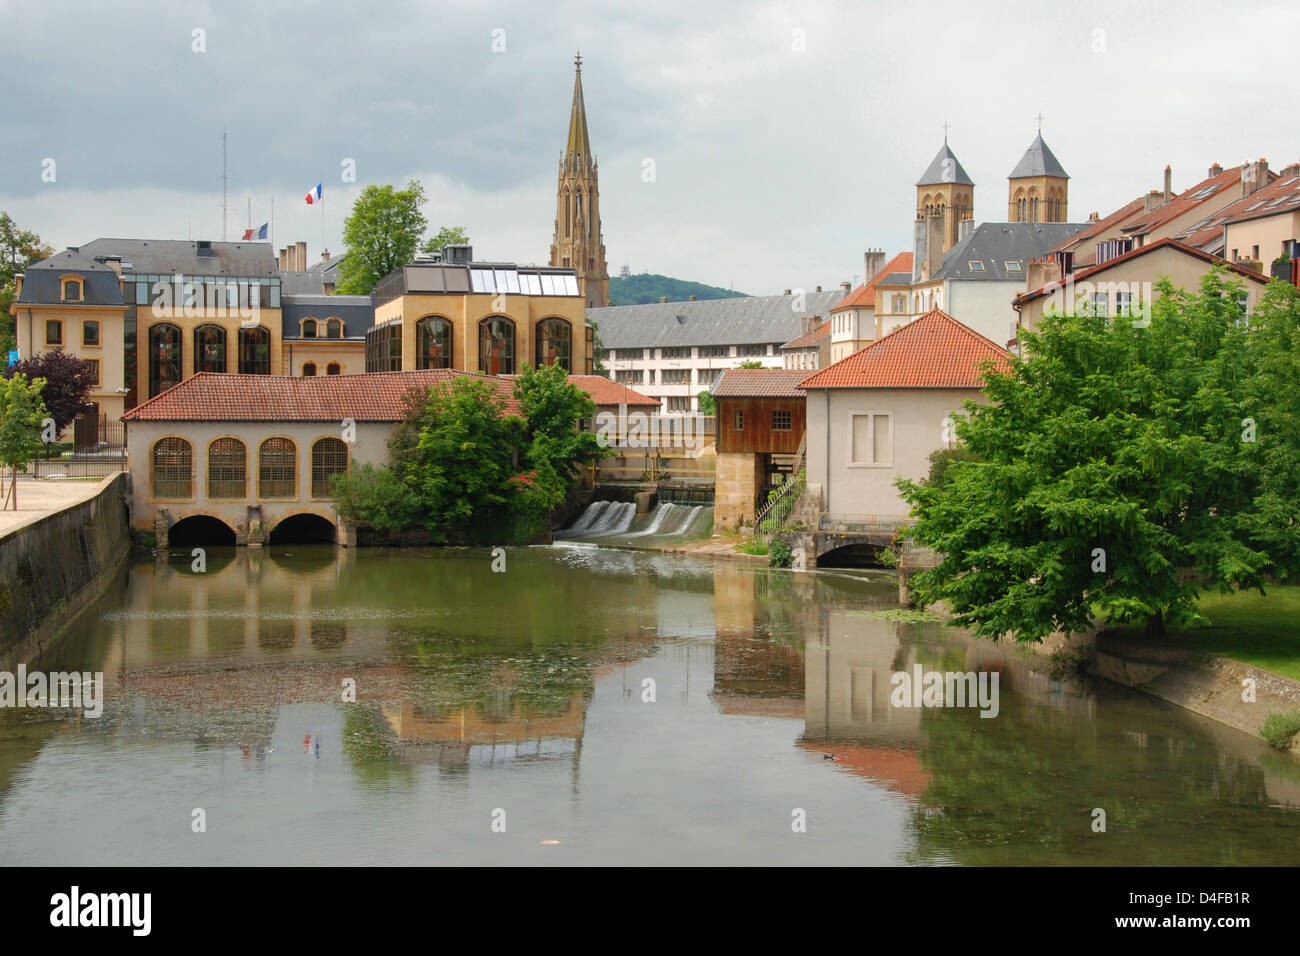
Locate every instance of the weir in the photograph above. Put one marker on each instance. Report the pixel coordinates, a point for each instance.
(607, 519)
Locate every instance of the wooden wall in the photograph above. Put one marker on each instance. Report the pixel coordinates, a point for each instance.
(756, 434)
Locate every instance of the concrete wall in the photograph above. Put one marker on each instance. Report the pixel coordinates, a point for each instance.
(52, 569)
(848, 485)
(986, 307)
(370, 447)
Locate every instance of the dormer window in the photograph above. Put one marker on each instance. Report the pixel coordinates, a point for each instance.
(72, 290)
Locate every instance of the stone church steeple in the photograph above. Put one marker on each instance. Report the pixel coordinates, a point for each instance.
(578, 242)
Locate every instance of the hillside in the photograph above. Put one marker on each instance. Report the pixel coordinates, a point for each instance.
(647, 287)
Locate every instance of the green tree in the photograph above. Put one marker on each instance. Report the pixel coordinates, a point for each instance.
(447, 236)
(18, 248)
(21, 415)
(554, 444)
(707, 405)
(597, 347)
(1114, 476)
(380, 235)
(751, 363)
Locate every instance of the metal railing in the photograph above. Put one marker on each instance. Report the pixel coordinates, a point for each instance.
(99, 463)
(861, 524)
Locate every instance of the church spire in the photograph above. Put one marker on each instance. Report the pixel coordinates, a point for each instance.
(579, 143)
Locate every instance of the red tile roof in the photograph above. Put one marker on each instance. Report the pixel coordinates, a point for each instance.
(369, 397)
(606, 391)
(1277, 198)
(934, 351)
(864, 296)
(759, 383)
(809, 339)
(1150, 247)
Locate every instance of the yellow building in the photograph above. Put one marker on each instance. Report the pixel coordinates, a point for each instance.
(486, 317)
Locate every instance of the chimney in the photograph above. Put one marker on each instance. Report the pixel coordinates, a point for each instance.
(1292, 170)
(282, 260)
(1253, 176)
(1039, 272)
(873, 260)
(1094, 217)
(663, 298)
(692, 296)
(1215, 170)
(325, 255)
(1169, 184)
(786, 292)
(819, 288)
(1155, 199)
(845, 287)
(300, 257)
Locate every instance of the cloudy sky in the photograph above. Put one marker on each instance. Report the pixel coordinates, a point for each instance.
(786, 138)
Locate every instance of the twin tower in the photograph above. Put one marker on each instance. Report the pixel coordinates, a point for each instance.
(1037, 191)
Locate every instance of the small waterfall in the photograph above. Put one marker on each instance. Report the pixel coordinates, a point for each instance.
(656, 522)
(688, 520)
(615, 519)
(587, 518)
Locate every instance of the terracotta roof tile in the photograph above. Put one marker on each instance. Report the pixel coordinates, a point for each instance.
(809, 339)
(760, 383)
(369, 397)
(864, 296)
(934, 351)
(605, 391)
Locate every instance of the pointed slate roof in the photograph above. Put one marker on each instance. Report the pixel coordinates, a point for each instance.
(1038, 161)
(578, 139)
(934, 173)
(934, 351)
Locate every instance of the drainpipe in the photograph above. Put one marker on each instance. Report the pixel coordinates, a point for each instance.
(828, 449)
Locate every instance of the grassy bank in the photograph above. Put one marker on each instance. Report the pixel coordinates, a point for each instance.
(1261, 631)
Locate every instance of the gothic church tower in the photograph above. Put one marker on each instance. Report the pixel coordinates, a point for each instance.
(578, 242)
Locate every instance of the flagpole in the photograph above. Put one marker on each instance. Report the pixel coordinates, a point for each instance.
(272, 222)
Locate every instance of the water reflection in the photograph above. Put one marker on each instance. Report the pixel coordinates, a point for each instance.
(658, 707)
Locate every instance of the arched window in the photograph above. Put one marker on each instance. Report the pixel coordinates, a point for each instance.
(255, 351)
(309, 368)
(554, 344)
(333, 368)
(209, 349)
(329, 457)
(227, 468)
(433, 343)
(277, 469)
(496, 346)
(164, 358)
(309, 328)
(173, 468)
(334, 328)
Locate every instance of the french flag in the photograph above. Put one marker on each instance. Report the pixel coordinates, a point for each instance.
(256, 233)
(315, 194)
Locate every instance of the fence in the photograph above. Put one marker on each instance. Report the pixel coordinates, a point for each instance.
(862, 524)
(98, 450)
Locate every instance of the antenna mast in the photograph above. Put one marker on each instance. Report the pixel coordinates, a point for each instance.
(223, 185)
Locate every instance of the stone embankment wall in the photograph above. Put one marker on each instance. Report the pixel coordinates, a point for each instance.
(52, 569)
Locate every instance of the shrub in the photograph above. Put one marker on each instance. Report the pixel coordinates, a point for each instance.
(780, 554)
(1279, 728)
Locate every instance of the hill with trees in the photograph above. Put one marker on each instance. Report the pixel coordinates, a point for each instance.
(648, 287)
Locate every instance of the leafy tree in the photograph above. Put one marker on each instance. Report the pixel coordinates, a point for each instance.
(553, 443)
(381, 234)
(375, 495)
(707, 405)
(751, 363)
(68, 381)
(597, 347)
(21, 414)
(18, 248)
(942, 458)
(648, 287)
(1114, 476)
(447, 236)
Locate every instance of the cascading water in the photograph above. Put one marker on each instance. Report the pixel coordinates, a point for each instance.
(602, 519)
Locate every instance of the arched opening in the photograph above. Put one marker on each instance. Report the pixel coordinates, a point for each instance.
(333, 369)
(309, 368)
(309, 328)
(304, 529)
(433, 336)
(329, 457)
(209, 349)
(334, 329)
(554, 344)
(277, 469)
(852, 556)
(164, 357)
(227, 468)
(255, 351)
(173, 468)
(496, 346)
(200, 529)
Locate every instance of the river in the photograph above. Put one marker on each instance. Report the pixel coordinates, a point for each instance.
(592, 705)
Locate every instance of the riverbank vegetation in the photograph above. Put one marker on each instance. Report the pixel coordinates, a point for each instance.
(1123, 469)
(465, 469)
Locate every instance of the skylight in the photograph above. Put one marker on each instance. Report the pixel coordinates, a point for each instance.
(975, 265)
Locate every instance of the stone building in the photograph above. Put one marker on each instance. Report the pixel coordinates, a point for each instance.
(579, 243)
